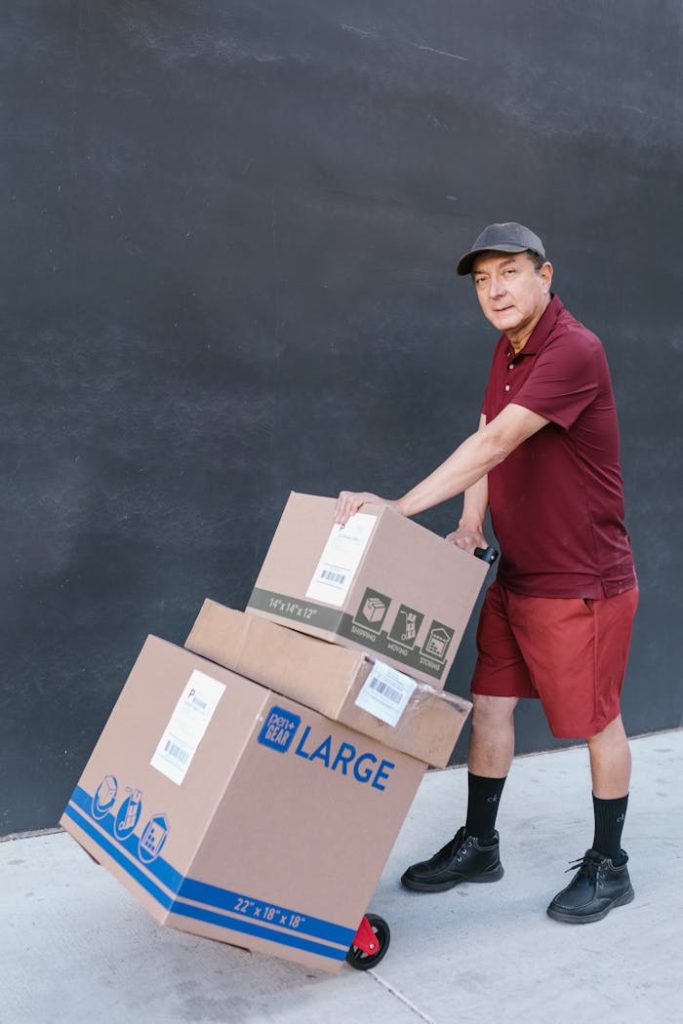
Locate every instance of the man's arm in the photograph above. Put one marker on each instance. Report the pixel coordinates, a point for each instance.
(467, 465)
(470, 532)
(474, 458)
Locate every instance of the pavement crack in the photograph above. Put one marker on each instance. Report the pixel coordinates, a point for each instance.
(401, 998)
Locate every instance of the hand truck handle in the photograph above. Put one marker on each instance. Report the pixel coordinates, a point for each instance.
(488, 554)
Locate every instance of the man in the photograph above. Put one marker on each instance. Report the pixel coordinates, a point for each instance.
(556, 623)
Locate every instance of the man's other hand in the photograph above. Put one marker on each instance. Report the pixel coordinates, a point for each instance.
(468, 540)
(350, 502)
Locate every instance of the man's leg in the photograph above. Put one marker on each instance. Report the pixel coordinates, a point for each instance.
(492, 746)
(602, 881)
(610, 760)
(576, 651)
(472, 855)
(492, 743)
(500, 678)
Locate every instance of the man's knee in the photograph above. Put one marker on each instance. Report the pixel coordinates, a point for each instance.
(491, 711)
(613, 732)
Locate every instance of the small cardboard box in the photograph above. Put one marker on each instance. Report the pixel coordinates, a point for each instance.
(341, 684)
(237, 814)
(381, 584)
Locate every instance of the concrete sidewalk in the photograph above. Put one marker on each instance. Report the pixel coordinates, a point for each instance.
(76, 947)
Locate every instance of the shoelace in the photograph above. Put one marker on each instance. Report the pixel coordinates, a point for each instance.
(459, 842)
(464, 845)
(589, 866)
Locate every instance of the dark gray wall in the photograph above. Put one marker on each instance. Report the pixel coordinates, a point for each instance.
(228, 234)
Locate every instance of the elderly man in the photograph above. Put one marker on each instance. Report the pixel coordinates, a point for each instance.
(556, 623)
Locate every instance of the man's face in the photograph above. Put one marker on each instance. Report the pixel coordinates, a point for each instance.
(511, 292)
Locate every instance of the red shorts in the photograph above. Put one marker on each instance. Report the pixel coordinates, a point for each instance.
(571, 653)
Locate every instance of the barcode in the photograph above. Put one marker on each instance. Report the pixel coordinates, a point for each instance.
(177, 753)
(333, 577)
(395, 696)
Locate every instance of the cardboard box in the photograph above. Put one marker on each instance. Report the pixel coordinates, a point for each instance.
(237, 814)
(381, 584)
(343, 685)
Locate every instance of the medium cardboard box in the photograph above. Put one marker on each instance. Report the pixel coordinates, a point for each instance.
(342, 684)
(381, 584)
(237, 814)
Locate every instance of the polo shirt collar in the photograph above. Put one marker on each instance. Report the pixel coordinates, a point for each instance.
(542, 329)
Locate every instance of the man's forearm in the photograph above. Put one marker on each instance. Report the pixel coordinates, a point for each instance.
(475, 505)
(468, 464)
(465, 467)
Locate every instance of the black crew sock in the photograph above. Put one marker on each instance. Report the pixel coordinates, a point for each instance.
(482, 805)
(609, 824)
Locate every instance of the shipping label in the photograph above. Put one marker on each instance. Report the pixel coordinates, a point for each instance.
(187, 725)
(340, 559)
(385, 693)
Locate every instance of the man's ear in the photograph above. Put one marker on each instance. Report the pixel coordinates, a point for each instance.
(546, 273)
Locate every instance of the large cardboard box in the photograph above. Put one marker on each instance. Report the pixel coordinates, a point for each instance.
(381, 584)
(344, 685)
(237, 814)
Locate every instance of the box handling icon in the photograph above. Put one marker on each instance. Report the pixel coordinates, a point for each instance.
(374, 610)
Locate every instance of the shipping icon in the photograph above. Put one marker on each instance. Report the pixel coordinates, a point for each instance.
(373, 609)
(105, 796)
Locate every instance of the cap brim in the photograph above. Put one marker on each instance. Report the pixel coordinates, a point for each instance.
(464, 264)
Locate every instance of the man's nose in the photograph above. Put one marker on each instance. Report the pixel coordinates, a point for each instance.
(496, 288)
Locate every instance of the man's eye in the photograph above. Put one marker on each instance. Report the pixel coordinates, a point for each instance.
(510, 270)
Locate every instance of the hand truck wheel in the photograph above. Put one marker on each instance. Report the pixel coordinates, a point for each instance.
(370, 943)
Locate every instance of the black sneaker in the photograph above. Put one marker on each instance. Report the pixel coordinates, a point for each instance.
(463, 859)
(597, 886)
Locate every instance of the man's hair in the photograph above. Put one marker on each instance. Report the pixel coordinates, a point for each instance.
(536, 258)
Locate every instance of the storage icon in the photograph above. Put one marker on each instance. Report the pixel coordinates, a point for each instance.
(438, 641)
(153, 838)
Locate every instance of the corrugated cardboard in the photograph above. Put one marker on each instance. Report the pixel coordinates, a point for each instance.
(330, 679)
(383, 584)
(269, 831)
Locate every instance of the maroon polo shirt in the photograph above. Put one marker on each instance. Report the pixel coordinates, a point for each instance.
(557, 502)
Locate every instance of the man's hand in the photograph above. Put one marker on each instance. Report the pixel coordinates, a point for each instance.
(467, 539)
(350, 502)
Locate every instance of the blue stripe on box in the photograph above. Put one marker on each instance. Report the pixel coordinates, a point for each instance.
(121, 851)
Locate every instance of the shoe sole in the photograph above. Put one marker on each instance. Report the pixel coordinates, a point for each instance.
(492, 876)
(568, 918)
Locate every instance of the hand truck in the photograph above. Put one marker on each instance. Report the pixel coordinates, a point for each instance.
(372, 939)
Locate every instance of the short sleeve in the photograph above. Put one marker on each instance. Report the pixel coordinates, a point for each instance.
(563, 381)
(486, 405)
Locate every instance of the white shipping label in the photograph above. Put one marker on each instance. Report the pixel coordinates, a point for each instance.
(386, 693)
(340, 559)
(187, 726)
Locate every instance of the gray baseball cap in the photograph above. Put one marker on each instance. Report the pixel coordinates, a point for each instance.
(510, 237)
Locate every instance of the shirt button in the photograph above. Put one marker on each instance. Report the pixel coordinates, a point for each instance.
(511, 366)
(507, 387)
